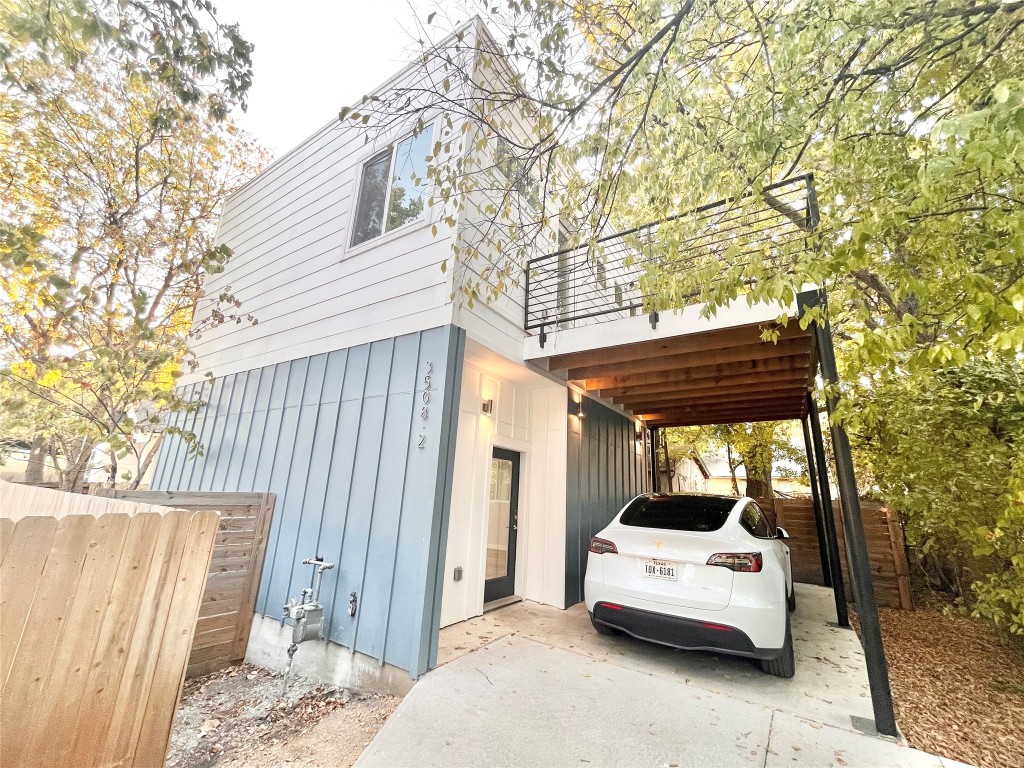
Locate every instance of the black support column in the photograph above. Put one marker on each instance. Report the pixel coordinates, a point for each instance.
(828, 519)
(856, 542)
(819, 515)
(655, 436)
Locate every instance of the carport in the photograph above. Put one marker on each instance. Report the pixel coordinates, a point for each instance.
(738, 365)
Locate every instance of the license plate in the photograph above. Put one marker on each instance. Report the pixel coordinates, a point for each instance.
(660, 569)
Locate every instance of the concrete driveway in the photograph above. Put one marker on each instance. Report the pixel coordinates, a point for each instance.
(533, 686)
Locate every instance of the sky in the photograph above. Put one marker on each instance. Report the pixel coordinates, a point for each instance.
(314, 56)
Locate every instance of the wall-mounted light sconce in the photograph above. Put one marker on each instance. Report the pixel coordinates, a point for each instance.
(488, 407)
(579, 409)
(639, 433)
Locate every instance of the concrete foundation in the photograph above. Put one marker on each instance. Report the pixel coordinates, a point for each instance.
(323, 661)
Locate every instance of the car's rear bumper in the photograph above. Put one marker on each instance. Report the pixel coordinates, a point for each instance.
(679, 632)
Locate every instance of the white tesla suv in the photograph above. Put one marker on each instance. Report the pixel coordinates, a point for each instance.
(698, 572)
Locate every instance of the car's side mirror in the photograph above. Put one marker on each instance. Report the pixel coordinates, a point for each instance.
(781, 533)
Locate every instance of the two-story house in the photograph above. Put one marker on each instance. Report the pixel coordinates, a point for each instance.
(446, 455)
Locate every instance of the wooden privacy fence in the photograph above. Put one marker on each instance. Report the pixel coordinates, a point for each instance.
(229, 599)
(98, 605)
(886, 550)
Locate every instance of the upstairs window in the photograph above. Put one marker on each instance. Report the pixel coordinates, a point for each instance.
(392, 188)
(516, 173)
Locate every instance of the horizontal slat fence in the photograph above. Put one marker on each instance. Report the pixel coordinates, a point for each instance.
(98, 604)
(229, 599)
(886, 551)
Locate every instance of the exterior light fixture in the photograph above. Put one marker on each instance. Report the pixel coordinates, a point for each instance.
(579, 409)
(488, 407)
(639, 433)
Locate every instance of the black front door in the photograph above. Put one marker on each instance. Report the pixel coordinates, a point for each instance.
(502, 520)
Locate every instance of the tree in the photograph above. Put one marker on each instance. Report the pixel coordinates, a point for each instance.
(757, 447)
(106, 235)
(852, 91)
(948, 450)
(909, 113)
(180, 44)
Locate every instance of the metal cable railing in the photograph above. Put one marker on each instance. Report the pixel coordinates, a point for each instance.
(621, 275)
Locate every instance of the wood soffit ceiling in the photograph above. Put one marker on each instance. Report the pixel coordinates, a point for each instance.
(726, 376)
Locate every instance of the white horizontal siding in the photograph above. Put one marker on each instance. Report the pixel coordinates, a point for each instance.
(294, 271)
(497, 322)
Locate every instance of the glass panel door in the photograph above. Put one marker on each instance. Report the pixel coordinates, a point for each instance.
(502, 523)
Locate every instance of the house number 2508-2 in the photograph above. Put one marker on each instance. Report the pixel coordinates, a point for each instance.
(421, 440)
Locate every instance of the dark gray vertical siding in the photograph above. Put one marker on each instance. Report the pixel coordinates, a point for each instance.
(335, 437)
(604, 471)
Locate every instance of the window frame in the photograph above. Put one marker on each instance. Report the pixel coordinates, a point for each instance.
(386, 234)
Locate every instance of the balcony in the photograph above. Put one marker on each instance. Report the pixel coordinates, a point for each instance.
(621, 318)
(629, 273)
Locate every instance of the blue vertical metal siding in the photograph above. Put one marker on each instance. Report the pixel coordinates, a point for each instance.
(335, 436)
(603, 472)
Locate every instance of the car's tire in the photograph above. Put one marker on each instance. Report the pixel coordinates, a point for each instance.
(604, 629)
(784, 665)
(791, 600)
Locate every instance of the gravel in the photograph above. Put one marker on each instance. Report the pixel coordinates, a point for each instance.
(238, 716)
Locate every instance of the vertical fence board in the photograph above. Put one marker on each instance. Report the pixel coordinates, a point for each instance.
(98, 603)
(143, 650)
(186, 592)
(6, 532)
(248, 601)
(116, 626)
(229, 599)
(69, 671)
(42, 635)
(899, 553)
(20, 572)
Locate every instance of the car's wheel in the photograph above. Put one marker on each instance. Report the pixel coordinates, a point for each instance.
(784, 665)
(604, 629)
(791, 600)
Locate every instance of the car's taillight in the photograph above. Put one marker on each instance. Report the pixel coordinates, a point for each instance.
(603, 546)
(743, 562)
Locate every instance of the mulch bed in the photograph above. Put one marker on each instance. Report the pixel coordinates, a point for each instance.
(958, 685)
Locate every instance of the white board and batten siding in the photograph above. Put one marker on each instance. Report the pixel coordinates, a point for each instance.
(529, 418)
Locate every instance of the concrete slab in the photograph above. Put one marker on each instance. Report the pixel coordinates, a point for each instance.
(831, 684)
(517, 702)
(799, 742)
(529, 685)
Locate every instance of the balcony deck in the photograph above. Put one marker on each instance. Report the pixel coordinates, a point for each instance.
(598, 324)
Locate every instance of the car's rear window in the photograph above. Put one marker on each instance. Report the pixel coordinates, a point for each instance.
(678, 513)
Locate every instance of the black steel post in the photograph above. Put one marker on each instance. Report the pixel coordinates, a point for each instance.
(526, 299)
(856, 543)
(819, 513)
(828, 518)
(654, 474)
